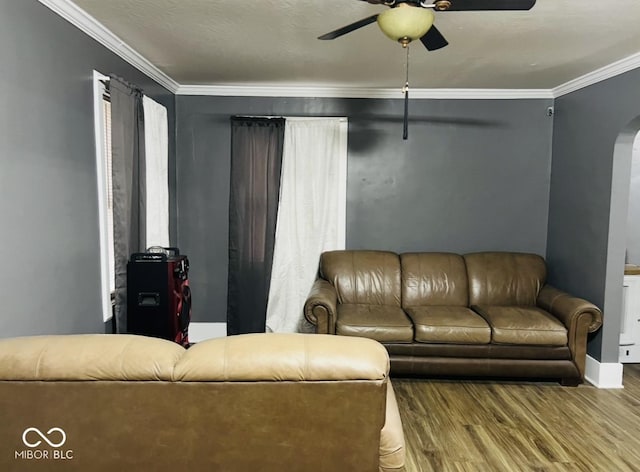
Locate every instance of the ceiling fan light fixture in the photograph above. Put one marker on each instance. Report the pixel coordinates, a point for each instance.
(405, 23)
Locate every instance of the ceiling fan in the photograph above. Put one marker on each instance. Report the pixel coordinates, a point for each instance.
(407, 20)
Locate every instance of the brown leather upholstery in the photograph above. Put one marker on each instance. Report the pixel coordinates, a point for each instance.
(363, 277)
(505, 278)
(282, 357)
(578, 315)
(88, 357)
(479, 314)
(474, 351)
(382, 323)
(392, 446)
(257, 402)
(523, 325)
(449, 324)
(485, 367)
(321, 307)
(432, 278)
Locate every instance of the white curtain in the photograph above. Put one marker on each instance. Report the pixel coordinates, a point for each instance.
(311, 214)
(156, 133)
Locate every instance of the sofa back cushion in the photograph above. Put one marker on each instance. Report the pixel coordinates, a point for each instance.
(88, 357)
(363, 277)
(291, 357)
(434, 279)
(505, 278)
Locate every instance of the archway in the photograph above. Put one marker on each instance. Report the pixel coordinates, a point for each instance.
(617, 240)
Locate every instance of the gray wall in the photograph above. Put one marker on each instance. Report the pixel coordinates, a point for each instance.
(589, 197)
(50, 282)
(473, 176)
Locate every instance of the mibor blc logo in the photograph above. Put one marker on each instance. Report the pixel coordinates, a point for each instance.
(44, 446)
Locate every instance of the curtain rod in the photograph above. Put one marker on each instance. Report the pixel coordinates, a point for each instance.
(112, 77)
(268, 117)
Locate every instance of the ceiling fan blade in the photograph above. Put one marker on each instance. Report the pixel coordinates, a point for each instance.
(469, 5)
(349, 28)
(433, 39)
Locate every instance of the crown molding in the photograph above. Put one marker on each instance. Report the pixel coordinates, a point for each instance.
(598, 75)
(355, 92)
(89, 25)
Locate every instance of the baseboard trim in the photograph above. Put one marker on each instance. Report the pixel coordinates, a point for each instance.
(202, 331)
(603, 374)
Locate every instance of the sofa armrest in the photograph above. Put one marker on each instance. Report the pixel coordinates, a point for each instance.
(578, 315)
(569, 309)
(392, 445)
(321, 307)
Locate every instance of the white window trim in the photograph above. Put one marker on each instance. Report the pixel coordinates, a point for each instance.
(101, 174)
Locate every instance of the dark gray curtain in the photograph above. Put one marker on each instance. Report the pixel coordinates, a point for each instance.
(256, 160)
(128, 171)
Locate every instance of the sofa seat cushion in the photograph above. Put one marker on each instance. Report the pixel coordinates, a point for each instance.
(523, 325)
(448, 324)
(383, 323)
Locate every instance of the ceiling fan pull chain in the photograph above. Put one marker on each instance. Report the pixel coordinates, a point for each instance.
(407, 67)
(405, 89)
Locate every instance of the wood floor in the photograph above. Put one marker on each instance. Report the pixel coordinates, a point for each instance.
(520, 426)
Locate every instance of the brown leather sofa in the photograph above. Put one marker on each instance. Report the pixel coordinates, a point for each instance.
(263, 402)
(442, 314)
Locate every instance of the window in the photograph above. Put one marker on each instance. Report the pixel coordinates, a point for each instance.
(102, 119)
(156, 134)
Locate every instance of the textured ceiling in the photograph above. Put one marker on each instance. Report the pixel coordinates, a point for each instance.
(269, 42)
